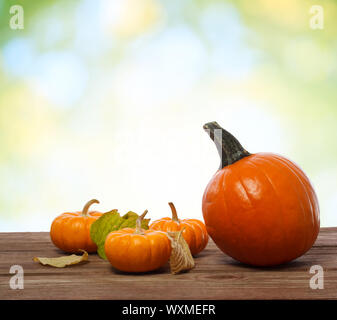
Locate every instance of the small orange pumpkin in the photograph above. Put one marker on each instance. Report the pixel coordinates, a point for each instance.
(195, 233)
(137, 250)
(70, 231)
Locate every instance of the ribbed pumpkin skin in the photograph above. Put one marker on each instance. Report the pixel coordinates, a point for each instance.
(195, 233)
(70, 231)
(261, 210)
(131, 252)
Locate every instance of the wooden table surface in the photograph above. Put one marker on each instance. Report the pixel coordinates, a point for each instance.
(216, 276)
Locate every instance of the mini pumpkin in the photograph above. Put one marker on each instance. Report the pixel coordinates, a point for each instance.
(137, 250)
(70, 231)
(194, 233)
(260, 209)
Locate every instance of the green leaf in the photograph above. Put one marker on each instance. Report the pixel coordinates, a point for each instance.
(130, 219)
(112, 221)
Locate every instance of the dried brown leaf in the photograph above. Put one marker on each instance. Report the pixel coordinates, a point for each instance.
(61, 262)
(181, 258)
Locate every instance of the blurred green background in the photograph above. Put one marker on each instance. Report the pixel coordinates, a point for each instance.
(106, 99)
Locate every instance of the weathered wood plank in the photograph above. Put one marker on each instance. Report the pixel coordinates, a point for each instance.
(216, 276)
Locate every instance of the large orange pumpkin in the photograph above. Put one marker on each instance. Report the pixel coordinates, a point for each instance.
(70, 231)
(137, 250)
(258, 208)
(194, 231)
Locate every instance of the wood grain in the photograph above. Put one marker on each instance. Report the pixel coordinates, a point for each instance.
(216, 276)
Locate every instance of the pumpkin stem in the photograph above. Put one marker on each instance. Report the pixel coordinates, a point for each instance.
(139, 229)
(87, 205)
(174, 212)
(229, 148)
